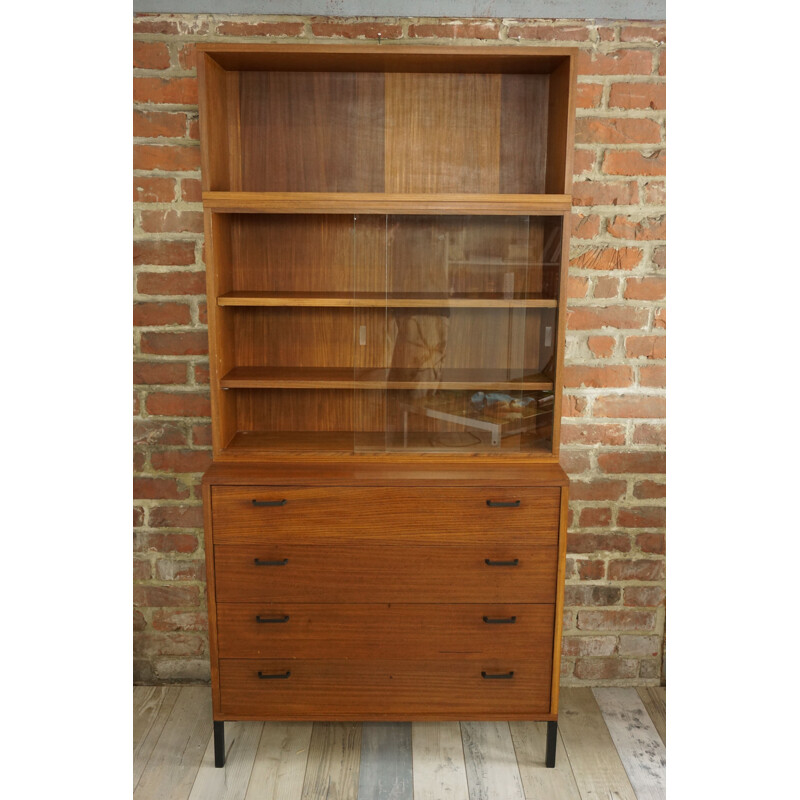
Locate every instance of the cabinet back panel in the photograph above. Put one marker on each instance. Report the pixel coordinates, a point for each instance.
(523, 134)
(312, 131)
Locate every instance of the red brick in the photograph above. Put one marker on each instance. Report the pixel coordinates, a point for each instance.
(136, 403)
(562, 33)
(168, 569)
(573, 406)
(591, 570)
(585, 226)
(138, 516)
(634, 162)
(577, 286)
(659, 257)
(622, 130)
(662, 63)
(595, 517)
(191, 190)
(201, 374)
(193, 132)
(646, 346)
(593, 433)
(636, 570)
(172, 221)
(180, 621)
(647, 490)
(139, 622)
(604, 193)
(648, 596)
(201, 435)
(650, 434)
(456, 29)
(605, 287)
(574, 463)
(150, 55)
(153, 190)
(624, 463)
(158, 432)
(181, 460)
(164, 253)
(592, 595)
(260, 28)
(607, 258)
(655, 193)
(172, 283)
(138, 456)
(590, 318)
(597, 542)
(159, 489)
(650, 288)
(588, 95)
(147, 24)
(597, 377)
(583, 161)
(645, 229)
(150, 372)
(652, 543)
(589, 645)
(187, 56)
(638, 95)
(190, 343)
(145, 314)
(172, 158)
(601, 346)
(596, 489)
(175, 645)
(616, 62)
(357, 30)
(641, 646)
(155, 124)
(653, 375)
(595, 669)
(165, 543)
(625, 406)
(642, 517)
(660, 318)
(162, 596)
(178, 404)
(643, 33)
(616, 620)
(175, 91)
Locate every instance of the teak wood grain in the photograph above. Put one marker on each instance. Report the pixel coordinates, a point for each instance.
(381, 515)
(392, 631)
(384, 573)
(346, 689)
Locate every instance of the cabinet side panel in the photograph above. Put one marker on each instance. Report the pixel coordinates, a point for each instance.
(559, 609)
(558, 377)
(214, 141)
(560, 127)
(442, 133)
(211, 598)
(523, 134)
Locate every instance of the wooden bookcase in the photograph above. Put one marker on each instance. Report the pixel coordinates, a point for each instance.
(387, 233)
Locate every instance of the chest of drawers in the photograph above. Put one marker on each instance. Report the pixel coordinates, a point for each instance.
(389, 594)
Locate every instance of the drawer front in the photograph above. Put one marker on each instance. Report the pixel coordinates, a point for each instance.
(393, 631)
(493, 688)
(409, 515)
(371, 573)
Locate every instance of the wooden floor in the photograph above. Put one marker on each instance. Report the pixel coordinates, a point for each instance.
(610, 747)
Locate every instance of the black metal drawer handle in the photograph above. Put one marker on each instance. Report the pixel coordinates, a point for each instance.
(262, 503)
(280, 677)
(491, 563)
(285, 618)
(508, 621)
(503, 503)
(503, 676)
(259, 563)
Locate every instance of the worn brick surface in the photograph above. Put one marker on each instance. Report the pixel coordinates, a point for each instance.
(614, 390)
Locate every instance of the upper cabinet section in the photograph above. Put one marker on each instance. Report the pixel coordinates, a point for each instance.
(386, 120)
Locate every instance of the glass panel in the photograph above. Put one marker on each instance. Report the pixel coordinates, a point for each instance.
(461, 356)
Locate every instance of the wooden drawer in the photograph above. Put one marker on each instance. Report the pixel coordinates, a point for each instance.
(393, 631)
(397, 690)
(373, 573)
(388, 514)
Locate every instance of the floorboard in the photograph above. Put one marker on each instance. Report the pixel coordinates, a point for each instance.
(596, 765)
(438, 761)
(152, 706)
(492, 770)
(655, 701)
(333, 762)
(385, 771)
(539, 782)
(280, 765)
(639, 746)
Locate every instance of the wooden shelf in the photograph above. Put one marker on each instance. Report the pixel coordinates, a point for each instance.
(385, 203)
(491, 380)
(380, 300)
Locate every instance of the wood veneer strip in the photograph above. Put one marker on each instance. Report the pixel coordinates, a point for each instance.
(385, 203)
(380, 300)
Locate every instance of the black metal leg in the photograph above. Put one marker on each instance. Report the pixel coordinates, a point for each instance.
(219, 744)
(552, 736)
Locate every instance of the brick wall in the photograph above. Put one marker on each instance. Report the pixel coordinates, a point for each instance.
(613, 437)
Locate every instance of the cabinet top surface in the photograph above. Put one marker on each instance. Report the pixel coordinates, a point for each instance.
(482, 472)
